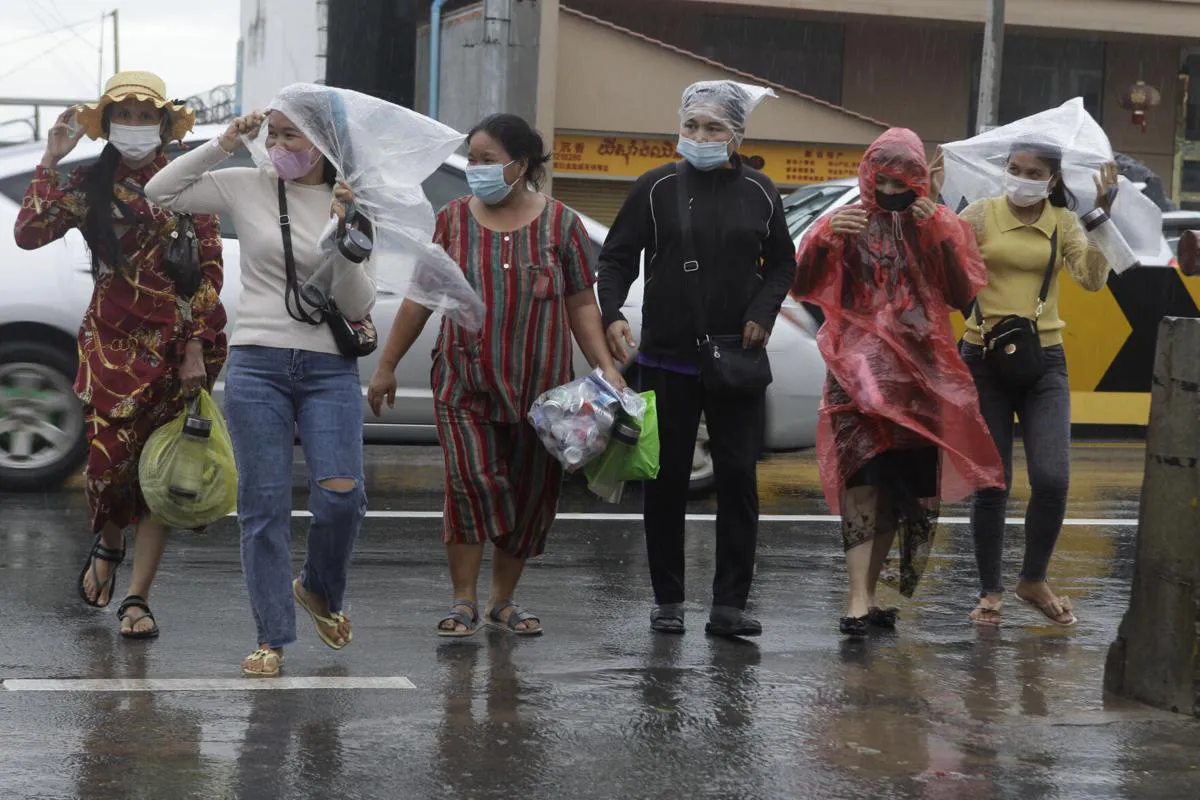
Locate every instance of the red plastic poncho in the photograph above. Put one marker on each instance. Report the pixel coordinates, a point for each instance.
(896, 379)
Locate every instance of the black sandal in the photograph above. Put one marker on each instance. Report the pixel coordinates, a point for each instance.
(102, 553)
(667, 618)
(883, 617)
(854, 627)
(728, 622)
(134, 601)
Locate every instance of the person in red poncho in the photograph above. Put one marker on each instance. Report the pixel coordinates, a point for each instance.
(900, 428)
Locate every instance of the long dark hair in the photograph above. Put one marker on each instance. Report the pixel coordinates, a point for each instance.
(98, 230)
(520, 140)
(1060, 195)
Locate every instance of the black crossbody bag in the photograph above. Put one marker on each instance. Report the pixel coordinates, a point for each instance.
(354, 339)
(725, 366)
(1013, 347)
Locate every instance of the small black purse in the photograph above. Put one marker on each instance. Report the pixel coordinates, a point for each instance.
(181, 259)
(725, 366)
(353, 339)
(1013, 347)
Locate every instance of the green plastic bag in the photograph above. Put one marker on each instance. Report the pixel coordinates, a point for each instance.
(623, 462)
(187, 471)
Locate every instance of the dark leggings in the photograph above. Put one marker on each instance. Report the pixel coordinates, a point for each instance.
(1044, 411)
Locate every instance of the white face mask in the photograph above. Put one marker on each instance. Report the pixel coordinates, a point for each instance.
(1024, 193)
(135, 142)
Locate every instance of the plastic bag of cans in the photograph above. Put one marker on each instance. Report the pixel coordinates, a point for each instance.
(575, 420)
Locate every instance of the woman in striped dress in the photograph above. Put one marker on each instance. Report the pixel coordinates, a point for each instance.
(530, 259)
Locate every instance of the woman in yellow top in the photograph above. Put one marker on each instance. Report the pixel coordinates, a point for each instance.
(1016, 233)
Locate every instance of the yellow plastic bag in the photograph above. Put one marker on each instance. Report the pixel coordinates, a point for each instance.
(187, 471)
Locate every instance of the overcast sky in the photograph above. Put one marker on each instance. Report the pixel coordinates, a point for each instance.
(191, 44)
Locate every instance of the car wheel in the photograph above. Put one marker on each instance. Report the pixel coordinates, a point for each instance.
(42, 437)
(704, 476)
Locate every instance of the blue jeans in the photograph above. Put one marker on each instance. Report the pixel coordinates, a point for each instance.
(1045, 414)
(270, 391)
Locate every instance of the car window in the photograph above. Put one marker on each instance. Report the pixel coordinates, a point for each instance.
(806, 205)
(444, 185)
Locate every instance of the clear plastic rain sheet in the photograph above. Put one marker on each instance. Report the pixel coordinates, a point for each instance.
(727, 101)
(384, 152)
(975, 168)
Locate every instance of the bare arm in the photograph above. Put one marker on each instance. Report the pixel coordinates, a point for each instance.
(410, 321)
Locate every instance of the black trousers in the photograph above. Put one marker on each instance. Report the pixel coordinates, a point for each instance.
(735, 429)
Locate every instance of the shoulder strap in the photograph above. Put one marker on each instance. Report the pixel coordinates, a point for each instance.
(291, 294)
(687, 248)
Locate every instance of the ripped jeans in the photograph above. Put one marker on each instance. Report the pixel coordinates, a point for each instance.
(269, 393)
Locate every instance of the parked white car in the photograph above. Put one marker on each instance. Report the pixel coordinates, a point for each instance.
(46, 291)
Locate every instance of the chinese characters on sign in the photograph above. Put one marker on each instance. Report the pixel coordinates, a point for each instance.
(630, 157)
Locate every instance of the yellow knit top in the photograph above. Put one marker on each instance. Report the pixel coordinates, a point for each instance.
(1016, 256)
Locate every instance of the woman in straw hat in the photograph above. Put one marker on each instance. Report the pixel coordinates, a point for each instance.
(153, 333)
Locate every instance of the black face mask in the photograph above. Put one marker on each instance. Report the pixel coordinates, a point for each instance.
(895, 202)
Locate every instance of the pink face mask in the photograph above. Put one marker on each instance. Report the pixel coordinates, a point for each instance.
(290, 165)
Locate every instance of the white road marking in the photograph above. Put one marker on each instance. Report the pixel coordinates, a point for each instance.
(201, 684)
(1114, 522)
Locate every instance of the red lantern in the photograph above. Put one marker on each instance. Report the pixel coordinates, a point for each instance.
(1138, 99)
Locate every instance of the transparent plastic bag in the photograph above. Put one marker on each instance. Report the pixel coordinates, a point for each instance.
(632, 454)
(574, 421)
(187, 471)
(385, 151)
(975, 169)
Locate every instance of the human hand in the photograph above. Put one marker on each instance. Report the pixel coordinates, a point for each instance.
(1106, 186)
(619, 335)
(849, 221)
(60, 140)
(193, 376)
(343, 199)
(382, 386)
(937, 174)
(614, 377)
(754, 335)
(248, 125)
(924, 208)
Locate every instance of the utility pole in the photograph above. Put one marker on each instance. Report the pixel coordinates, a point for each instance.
(116, 41)
(497, 21)
(987, 115)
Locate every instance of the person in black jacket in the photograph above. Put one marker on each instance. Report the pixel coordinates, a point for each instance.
(746, 263)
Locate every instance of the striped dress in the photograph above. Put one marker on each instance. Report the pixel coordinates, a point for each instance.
(501, 484)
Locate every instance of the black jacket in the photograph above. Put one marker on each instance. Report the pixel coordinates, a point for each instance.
(747, 259)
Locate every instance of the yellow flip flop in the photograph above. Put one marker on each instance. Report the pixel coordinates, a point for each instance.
(327, 627)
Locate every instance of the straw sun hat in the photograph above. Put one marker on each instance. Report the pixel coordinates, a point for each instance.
(139, 86)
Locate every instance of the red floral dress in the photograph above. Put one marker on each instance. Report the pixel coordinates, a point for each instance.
(132, 339)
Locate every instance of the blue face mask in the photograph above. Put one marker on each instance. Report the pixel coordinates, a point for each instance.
(487, 182)
(704, 155)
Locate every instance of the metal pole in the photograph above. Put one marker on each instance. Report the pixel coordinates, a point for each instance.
(116, 42)
(435, 56)
(497, 18)
(987, 114)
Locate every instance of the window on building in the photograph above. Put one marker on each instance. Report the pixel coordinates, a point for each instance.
(1043, 73)
(1193, 107)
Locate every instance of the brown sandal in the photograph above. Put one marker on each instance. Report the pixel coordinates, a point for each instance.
(1054, 610)
(262, 663)
(986, 615)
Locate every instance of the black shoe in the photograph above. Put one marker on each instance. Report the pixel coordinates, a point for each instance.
(731, 623)
(667, 618)
(883, 617)
(854, 626)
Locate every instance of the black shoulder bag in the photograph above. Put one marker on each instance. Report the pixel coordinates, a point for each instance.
(354, 339)
(1013, 348)
(181, 257)
(725, 366)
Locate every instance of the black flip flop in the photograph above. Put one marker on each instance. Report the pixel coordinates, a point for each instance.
(883, 617)
(102, 553)
(854, 627)
(134, 601)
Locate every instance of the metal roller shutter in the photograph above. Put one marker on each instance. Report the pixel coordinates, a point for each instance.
(600, 200)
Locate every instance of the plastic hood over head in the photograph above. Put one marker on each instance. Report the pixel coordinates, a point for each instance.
(897, 153)
(384, 152)
(727, 101)
(975, 170)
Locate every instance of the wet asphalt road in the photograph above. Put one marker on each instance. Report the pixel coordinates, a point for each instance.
(598, 707)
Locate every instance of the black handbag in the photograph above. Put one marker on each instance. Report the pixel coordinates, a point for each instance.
(725, 366)
(353, 339)
(181, 259)
(1013, 347)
